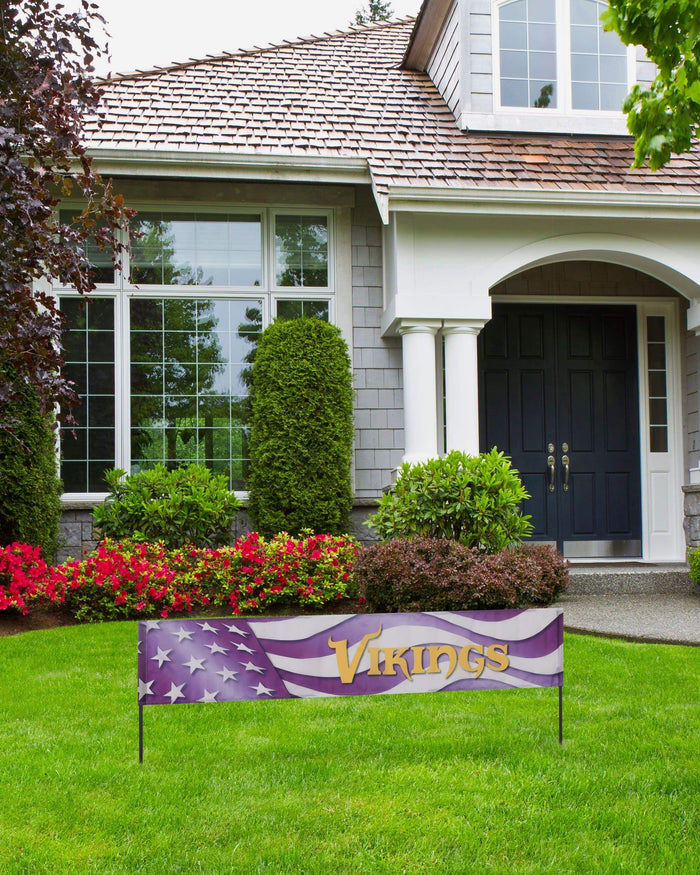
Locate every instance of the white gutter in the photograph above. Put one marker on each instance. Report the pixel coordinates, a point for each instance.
(500, 201)
(230, 165)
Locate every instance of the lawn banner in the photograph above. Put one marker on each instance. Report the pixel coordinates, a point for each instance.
(228, 660)
(233, 660)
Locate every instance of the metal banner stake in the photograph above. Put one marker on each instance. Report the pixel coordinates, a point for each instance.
(561, 720)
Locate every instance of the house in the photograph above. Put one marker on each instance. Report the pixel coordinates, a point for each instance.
(455, 192)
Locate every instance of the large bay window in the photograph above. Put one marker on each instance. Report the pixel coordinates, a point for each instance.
(160, 353)
(555, 55)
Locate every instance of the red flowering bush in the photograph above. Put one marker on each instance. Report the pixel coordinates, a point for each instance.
(438, 574)
(311, 570)
(121, 580)
(22, 576)
(127, 579)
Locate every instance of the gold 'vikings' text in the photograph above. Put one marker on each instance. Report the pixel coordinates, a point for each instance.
(426, 658)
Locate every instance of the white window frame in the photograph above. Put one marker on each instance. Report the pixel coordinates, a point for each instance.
(293, 291)
(563, 118)
(122, 292)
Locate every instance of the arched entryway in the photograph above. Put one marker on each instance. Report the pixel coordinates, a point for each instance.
(576, 372)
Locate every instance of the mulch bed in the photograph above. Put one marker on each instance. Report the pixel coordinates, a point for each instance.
(14, 623)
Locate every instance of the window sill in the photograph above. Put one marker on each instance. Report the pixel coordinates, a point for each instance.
(547, 122)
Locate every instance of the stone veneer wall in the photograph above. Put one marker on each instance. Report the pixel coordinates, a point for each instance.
(691, 508)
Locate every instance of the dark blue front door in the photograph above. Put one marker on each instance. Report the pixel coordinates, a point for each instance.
(559, 394)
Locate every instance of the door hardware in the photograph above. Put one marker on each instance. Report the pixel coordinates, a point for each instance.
(565, 448)
(552, 465)
(566, 463)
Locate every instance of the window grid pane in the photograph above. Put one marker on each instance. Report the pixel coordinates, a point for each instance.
(657, 381)
(189, 364)
(301, 251)
(598, 60)
(197, 249)
(99, 260)
(296, 308)
(89, 352)
(528, 54)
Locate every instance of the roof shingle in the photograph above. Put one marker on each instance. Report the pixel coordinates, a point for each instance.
(345, 95)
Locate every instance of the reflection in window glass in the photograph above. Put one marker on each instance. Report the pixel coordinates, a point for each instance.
(190, 361)
(100, 260)
(301, 251)
(598, 60)
(528, 53)
(197, 249)
(296, 309)
(88, 346)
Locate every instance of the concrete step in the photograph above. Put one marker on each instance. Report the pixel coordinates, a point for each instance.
(630, 579)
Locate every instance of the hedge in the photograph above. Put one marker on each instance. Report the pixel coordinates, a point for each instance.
(437, 574)
(301, 436)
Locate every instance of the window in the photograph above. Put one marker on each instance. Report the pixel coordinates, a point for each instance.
(554, 54)
(658, 392)
(89, 356)
(301, 250)
(161, 370)
(528, 53)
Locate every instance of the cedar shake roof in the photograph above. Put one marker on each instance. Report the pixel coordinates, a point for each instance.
(344, 94)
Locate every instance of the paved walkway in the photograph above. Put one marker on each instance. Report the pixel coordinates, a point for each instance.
(672, 618)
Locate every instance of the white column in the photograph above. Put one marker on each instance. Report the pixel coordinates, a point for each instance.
(462, 385)
(419, 389)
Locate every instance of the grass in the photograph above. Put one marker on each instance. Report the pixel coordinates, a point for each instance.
(445, 783)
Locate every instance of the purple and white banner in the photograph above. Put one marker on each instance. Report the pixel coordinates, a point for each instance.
(228, 660)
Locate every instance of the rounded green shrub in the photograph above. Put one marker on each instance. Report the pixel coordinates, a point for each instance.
(694, 563)
(187, 505)
(438, 574)
(474, 500)
(301, 429)
(30, 489)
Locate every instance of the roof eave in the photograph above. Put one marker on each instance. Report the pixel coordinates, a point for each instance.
(426, 31)
(230, 165)
(500, 201)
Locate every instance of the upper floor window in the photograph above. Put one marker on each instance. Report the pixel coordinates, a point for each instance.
(598, 60)
(554, 54)
(528, 53)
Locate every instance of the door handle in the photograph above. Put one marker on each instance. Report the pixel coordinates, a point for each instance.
(566, 462)
(552, 465)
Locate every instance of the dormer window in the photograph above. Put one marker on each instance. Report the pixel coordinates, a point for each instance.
(528, 53)
(555, 55)
(598, 60)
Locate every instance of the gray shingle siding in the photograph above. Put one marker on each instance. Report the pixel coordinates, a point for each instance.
(379, 439)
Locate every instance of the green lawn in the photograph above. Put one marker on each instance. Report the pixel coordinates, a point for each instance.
(446, 783)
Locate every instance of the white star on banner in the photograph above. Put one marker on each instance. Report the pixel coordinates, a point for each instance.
(234, 630)
(152, 624)
(181, 634)
(262, 690)
(175, 693)
(207, 628)
(244, 648)
(161, 657)
(228, 675)
(195, 664)
(215, 648)
(145, 688)
(209, 697)
(250, 667)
